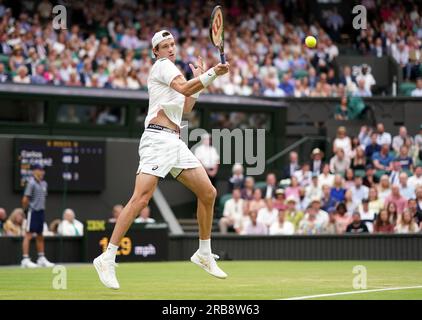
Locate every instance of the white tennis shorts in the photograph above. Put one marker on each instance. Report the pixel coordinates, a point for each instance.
(162, 152)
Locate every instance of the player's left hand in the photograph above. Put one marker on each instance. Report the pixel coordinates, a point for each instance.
(199, 68)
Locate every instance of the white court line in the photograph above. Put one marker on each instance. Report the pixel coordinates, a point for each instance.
(350, 292)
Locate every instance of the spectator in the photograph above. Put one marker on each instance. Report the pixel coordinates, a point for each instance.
(38, 77)
(304, 176)
(348, 79)
(418, 141)
(384, 189)
(417, 92)
(350, 204)
(365, 80)
(342, 141)
(3, 219)
(282, 226)
(383, 137)
(365, 136)
(359, 191)
(233, 211)
(382, 223)
(416, 179)
(349, 180)
(316, 161)
(369, 180)
(248, 188)
(367, 215)
(357, 225)
(375, 204)
(237, 179)
(145, 216)
(339, 163)
(337, 191)
(327, 202)
(313, 190)
(293, 188)
(400, 139)
(257, 202)
(341, 218)
(4, 76)
(14, 226)
(279, 202)
(419, 200)
(309, 224)
(271, 186)
(407, 191)
(255, 227)
(69, 225)
(292, 214)
(106, 117)
(383, 159)
(22, 76)
(326, 178)
(208, 156)
(412, 206)
(406, 224)
(54, 226)
(115, 212)
(373, 147)
(292, 167)
(395, 197)
(359, 160)
(361, 90)
(395, 173)
(268, 214)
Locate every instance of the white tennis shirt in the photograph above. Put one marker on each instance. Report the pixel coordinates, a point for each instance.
(161, 95)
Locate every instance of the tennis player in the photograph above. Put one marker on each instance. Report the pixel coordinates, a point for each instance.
(161, 151)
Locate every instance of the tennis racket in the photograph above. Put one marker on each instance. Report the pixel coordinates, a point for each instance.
(217, 31)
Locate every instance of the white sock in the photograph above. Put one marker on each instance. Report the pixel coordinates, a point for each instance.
(110, 253)
(205, 247)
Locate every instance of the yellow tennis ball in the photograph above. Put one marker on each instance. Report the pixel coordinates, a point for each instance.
(310, 42)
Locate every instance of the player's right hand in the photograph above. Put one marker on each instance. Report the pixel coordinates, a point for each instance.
(221, 69)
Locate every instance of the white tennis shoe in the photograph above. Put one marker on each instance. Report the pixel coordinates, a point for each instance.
(27, 263)
(43, 262)
(208, 263)
(106, 271)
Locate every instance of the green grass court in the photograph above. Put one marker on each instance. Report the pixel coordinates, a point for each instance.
(247, 280)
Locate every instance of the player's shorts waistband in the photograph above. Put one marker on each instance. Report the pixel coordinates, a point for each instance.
(157, 128)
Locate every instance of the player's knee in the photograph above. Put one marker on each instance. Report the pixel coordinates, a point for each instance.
(209, 195)
(140, 201)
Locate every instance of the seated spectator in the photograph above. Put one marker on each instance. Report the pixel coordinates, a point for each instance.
(348, 79)
(69, 225)
(383, 137)
(327, 202)
(233, 211)
(367, 215)
(383, 223)
(337, 191)
(417, 92)
(293, 188)
(304, 175)
(359, 160)
(292, 213)
(38, 77)
(362, 91)
(375, 204)
(406, 190)
(255, 227)
(292, 167)
(357, 225)
(54, 226)
(384, 188)
(326, 178)
(282, 226)
(341, 218)
(350, 204)
(359, 190)
(349, 179)
(14, 226)
(280, 197)
(342, 110)
(22, 76)
(370, 180)
(419, 200)
(309, 224)
(117, 209)
(257, 202)
(406, 224)
(321, 215)
(383, 160)
(373, 147)
(342, 141)
(416, 179)
(396, 198)
(392, 213)
(316, 161)
(339, 163)
(268, 214)
(330, 228)
(4, 76)
(406, 162)
(313, 190)
(365, 136)
(365, 80)
(271, 186)
(248, 188)
(145, 216)
(395, 173)
(418, 142)
(3, 219)
(412, 206)
(237, 179)
(400, 140)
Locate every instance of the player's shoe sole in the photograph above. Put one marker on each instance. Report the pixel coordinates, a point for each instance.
(98, 264)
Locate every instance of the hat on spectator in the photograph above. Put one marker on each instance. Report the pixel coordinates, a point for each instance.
(291, 199)
(317, 151)
(160, 36)
(279, 191)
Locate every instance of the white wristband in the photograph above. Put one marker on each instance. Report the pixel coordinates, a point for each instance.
(196, 95)
(208, 77)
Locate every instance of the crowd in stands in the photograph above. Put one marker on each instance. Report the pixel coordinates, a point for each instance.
(15, 223)
(108, 46)
(372, 183)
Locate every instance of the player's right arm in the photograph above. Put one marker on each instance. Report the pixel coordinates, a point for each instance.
(26, 196)
(25, 202)
(188, 88)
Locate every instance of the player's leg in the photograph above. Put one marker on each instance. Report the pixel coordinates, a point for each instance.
(197, 180)
(42, 260)
(26, 261)
(105, 264)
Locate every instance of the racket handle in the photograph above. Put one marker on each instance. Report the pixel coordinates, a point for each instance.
(223, 58)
